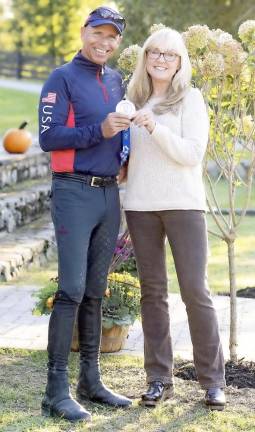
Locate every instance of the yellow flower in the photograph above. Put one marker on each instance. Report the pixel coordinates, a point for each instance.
(196, 38)
(246, 33)
(212, 66)
(49, 302)
(124, 278)
(156, 27)
(246, 124)
(128, 59)
(107, 293)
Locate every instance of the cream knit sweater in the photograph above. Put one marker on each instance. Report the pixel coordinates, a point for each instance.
(165, 167)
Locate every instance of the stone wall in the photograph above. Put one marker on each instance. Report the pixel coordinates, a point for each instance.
(23, 167)
(20, 208)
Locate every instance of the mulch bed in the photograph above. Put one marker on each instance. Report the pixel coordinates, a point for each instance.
(248, 292)
(239, 374)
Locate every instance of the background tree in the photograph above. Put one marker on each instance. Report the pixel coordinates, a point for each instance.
(224, 69)
(48, 26)
(41, 27)
(140, 15)
(45, 26)
(5, 36)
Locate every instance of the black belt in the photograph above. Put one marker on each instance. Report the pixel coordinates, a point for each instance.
(90, 180)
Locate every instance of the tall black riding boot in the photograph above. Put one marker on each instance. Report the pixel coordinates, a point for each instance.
(89, 329)
(58, 401)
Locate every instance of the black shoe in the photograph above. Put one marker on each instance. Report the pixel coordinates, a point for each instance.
(156, 392)
(90, 386)
(215, 399)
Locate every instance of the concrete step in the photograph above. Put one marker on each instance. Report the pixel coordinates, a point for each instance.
(23, 203)
(25, 247)
(15, 168)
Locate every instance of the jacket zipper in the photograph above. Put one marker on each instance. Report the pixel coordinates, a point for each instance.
(103, 87)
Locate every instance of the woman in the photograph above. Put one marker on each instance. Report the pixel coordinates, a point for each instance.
(165, 198)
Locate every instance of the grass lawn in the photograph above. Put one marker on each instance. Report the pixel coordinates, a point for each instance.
(17, 106)
(245, 258)
(36, 276)
(218, 259)
(23, 375)
(221, 192)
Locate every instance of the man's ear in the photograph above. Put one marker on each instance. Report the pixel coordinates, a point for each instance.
(119, 39)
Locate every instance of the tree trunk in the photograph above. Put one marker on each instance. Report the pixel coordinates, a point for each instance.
(19, 64)
(233, 307)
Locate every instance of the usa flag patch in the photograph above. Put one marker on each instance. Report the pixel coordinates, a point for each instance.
(50, 98)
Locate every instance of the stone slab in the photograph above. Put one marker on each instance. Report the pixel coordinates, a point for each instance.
(15, 168)
(27, 246)
(18, 208)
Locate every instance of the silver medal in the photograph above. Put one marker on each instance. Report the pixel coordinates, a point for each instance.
(126, 107)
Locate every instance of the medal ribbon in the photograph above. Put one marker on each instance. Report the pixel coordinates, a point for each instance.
(125, 138)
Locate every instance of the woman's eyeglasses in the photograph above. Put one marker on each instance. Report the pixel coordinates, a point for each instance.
(167, 56)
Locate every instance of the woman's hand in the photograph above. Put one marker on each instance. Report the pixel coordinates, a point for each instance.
(122, 177)
(144, 117)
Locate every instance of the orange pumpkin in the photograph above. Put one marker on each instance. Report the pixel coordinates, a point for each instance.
(17, 140)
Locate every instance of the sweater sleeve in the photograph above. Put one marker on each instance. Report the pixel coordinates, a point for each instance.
(189, 148)
(55, 132)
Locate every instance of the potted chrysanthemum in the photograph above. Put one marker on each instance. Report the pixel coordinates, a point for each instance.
(121, 307)
(121, 302)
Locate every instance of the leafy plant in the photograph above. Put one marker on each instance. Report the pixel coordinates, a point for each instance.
(128, 266)
(121, 303)
(45, 298)
(123, 253)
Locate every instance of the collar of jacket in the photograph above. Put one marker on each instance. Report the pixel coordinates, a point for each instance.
(82, 61)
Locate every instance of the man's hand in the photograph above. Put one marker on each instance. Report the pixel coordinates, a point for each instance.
(114, 123)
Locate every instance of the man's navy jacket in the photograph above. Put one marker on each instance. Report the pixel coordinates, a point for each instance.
(74, 101)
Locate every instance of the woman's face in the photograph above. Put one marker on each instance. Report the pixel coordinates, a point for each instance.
(162, 64)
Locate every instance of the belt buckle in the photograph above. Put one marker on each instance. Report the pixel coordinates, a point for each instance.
(92, 183)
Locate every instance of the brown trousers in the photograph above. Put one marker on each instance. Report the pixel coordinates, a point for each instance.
(187, 235)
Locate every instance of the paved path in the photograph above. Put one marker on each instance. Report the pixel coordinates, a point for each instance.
(20, 329)
(20, 85)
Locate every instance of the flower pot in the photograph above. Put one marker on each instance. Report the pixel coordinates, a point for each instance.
(113, 339)
(75, 341)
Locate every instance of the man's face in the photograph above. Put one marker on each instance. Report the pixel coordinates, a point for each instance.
(99, 43)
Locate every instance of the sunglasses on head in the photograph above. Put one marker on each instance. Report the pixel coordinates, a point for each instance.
(108, 13)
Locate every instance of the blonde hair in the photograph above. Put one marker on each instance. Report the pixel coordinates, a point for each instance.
(140, 87)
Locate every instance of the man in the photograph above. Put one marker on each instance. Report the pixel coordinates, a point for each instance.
(79, 126)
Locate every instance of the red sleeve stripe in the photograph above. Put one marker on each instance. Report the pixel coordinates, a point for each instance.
(63, 160)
